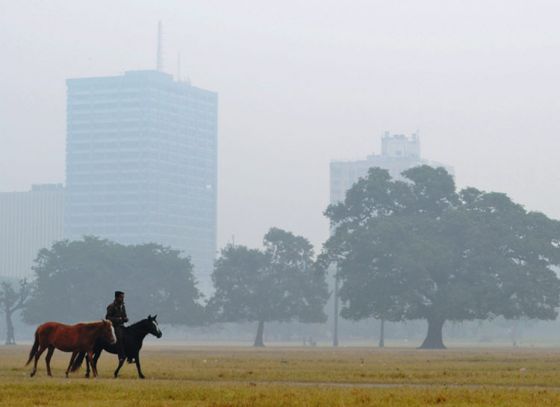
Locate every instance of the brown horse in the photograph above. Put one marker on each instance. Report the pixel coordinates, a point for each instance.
(69, 338)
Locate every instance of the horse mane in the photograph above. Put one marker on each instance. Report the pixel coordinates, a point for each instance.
(137, 323)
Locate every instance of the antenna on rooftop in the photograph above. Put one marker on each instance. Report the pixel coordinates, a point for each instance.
(179, 66)
(159, 62)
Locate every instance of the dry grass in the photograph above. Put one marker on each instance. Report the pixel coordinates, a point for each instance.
(294, 376)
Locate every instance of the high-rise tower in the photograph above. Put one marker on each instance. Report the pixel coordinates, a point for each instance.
(141, 163)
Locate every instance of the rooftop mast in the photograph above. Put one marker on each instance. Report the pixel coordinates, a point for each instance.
(179, 67)
(159, 62)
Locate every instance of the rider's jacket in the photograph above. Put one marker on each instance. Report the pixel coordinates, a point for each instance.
(116, 313)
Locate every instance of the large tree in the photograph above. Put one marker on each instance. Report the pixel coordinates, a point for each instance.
(418, 249)
(278, 283)
(12, 300)
(75, 281)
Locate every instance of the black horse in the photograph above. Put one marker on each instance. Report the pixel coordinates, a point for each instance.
(133, 337)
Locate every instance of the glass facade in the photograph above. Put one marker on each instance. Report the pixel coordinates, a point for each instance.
(141, 163)
(29, 222)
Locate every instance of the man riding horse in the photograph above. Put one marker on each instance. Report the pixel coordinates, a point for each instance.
(116, 313)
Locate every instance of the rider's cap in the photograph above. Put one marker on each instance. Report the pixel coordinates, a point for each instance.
(117, 293)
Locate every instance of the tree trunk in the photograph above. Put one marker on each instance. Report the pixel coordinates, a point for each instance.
(382, 334)
(10, 338)
(514, 334)
(335, 327)
(434, 339)
(259, 338)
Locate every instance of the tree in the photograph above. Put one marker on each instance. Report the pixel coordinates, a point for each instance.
(278, 283)
(75, 281)
(418, 249)
(10, 302)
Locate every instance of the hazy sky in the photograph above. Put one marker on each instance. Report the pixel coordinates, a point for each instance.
(301, 83)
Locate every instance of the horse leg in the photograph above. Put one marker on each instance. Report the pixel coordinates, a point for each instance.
(48, 359)
(96, 358)
(37, 356)
(72, 358)
(140, 374)
(121, 362)
(93, 368)
(87, 367)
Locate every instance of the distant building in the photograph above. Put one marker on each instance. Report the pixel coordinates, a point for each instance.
(29, 221)
(398, 153)
(141, 163)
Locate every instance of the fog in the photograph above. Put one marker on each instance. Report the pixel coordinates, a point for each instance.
(300, 84)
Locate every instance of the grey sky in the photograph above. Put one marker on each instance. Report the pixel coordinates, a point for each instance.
(301, 83)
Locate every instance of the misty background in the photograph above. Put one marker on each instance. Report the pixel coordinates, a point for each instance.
(300, 84)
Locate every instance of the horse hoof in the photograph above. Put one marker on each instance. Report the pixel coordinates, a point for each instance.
(31, 374)
(142, 377)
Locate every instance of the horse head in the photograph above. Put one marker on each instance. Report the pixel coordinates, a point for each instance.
(108, 332)
(153, 327)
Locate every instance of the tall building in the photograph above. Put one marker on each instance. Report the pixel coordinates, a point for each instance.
(398, 153)
(29, 222)
(141, 163)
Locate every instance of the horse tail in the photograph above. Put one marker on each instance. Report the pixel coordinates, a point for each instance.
(34, 348)
(78, 361)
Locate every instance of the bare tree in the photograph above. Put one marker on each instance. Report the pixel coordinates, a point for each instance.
(11, 301)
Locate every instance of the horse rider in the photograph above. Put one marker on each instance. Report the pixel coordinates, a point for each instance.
(116, 313)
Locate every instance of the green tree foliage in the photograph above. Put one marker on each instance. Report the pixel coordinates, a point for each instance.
(75, 281)
(418, 249)
(278, 283)
(10, 302)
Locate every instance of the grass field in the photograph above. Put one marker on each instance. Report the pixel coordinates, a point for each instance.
(177, 376)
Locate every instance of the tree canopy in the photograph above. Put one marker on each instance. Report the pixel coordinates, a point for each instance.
(416, 248)
(75, 281)
(278, 283)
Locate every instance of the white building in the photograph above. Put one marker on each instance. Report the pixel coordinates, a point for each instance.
(29, 221)
(398, 153)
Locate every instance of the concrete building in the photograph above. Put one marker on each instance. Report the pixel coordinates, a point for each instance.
(398, 153)
(29, 221)
(141, 163)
